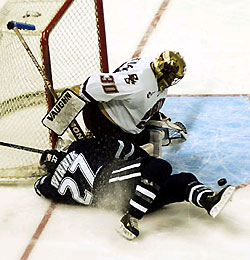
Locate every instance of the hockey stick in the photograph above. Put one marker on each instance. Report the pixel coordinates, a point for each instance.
(146, 147)
(15, 26)
(20, 147)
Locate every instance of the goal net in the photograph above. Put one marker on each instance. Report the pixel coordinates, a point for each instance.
(69, 43)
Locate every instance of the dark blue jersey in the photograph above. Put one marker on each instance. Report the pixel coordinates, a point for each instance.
(73, 179)
(115, 174)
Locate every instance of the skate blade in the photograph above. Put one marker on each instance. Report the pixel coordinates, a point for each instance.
(225, 198)
(125, 233)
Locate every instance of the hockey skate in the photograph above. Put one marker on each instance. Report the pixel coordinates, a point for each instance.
(128, 227)
(215, 203)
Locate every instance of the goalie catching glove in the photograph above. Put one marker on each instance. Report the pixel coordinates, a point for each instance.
(172, 133)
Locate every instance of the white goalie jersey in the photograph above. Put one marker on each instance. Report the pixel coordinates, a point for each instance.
(129, 96)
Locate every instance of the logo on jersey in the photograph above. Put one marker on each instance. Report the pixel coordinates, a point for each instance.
(132, 78)
(150, 94)
(51, 158)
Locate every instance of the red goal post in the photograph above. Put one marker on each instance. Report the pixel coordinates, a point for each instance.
(70, 44)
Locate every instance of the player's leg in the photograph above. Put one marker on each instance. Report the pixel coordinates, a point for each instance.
(153, 173)
(186, 187)
(114, 184)
(174, 189)
(101, 126)
(97, 123)
(213, 202)
(157, 187)
(131, 187)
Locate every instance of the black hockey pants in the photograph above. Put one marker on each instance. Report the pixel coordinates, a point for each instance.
(117, 185)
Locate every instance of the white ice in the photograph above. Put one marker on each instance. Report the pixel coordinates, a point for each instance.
(214, 38)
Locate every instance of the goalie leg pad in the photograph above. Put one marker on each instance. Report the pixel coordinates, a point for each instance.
(156, 137)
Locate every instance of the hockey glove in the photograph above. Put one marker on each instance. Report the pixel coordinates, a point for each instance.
(50, 160)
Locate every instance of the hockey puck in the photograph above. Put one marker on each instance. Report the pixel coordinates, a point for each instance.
(222, 182)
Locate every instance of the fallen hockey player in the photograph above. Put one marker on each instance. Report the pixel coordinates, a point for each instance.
(119, 175)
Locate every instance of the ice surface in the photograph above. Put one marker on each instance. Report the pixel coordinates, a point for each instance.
(214, 38)
(218, 138)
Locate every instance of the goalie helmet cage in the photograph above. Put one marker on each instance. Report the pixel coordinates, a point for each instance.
(70, 44)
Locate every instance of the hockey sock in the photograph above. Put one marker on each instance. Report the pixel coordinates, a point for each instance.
(196, 192)
(145, 194)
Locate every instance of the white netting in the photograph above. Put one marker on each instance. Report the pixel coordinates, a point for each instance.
(74, 55)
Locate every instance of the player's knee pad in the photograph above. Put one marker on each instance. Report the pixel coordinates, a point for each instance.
(156, 170)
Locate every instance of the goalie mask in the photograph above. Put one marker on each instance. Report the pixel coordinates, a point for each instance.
(169, 68)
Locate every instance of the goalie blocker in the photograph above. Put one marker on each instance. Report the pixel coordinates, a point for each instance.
(65, 110)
